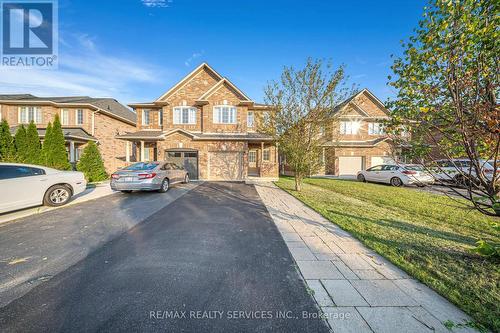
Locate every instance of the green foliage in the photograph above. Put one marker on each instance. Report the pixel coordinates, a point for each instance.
(7, 148)
(486, 249)
(21, 144)
(54, 147)
(47, 144)
(33, 146)
(91, 163)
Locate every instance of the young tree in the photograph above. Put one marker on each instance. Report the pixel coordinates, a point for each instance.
(7, 148)
(21, 144)
(447, 82)
(33, 146)
(55, 154)
(91, 163)
(47, 145)
(304, 101)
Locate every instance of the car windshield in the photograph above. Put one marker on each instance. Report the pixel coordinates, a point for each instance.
(142, 166)
(414, 167)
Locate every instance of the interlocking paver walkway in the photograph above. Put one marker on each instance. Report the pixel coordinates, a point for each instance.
(357, 289)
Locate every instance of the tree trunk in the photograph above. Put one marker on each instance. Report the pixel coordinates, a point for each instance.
(298, 182)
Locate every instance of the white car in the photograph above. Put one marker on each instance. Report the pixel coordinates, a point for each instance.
(25, 185)
(457, 170)
(396, 175)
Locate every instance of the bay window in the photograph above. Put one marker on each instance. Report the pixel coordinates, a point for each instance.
(79, 117)
(224, 114)
(146, 117)
(29, 114)
(185, 115)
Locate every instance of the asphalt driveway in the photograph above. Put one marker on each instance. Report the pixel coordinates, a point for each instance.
(212, 260)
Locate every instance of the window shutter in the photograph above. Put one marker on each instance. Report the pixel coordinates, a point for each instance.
(192, 116)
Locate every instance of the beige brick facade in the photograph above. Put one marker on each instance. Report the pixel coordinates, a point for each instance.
(223, 158)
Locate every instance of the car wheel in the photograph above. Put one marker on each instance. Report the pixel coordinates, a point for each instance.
(164, 186)
(57, 195)
(361, 178)
(396, 182)
(186, 179)
(126, 191)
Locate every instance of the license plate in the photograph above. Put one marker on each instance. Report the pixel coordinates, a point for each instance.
(128, 179)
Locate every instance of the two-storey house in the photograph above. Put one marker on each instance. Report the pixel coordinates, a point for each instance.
(207, 125)
(83, 119)
(356, 140)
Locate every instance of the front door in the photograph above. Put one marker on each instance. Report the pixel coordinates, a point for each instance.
(252, 163)
(185, 159)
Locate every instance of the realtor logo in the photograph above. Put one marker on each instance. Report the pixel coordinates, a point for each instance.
(29, 33)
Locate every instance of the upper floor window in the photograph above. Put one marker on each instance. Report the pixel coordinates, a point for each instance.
(28, 114)
(250, 119)
(160, 118)
(64, 117)
(375, 128)
(224, 114)
(184, 115)
(349, 127)
(79, 117)
(146, 117)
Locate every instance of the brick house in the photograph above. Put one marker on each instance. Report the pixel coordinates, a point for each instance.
(355, 140)
(207, 125)
(83, 119)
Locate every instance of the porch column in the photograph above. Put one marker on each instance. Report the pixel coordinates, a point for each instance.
(261, 157)
(72, 151)
(142, 151)
(127, 154)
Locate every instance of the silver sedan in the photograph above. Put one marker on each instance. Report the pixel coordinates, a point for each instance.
(148, 176)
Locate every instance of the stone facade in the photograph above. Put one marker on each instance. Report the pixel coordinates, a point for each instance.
(97, 125)
(225, 157)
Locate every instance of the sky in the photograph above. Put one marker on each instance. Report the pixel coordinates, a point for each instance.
(135, 50)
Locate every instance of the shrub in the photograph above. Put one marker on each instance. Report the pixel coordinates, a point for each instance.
(21, 144)
(91, 164)
(55, 147)
(33, 147)
(7, 148)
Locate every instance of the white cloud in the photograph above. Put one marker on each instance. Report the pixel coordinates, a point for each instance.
(83, 70)
(193, 57)
(156, 3)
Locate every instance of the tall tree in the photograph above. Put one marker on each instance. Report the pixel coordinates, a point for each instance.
(304, 101)
(21, 144)
(91, 163)
(47, 145)
(447, 82)
(56, 154)
(33, 146)
(7, 148)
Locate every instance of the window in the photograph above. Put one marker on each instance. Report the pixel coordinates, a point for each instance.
(79, 117)
(185, 115)
(142, 166)
(224, 114)
(160, 118)
(173, 154)
(64, 117)
(250, 119)
(146, 114)
(14, 171)
(349, 127)
(252, 156)
(376, 168)
(29, 114)
(266, 155)
(375, 129)
(146, 154)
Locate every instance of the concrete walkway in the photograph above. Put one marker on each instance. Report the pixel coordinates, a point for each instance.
(357, 289)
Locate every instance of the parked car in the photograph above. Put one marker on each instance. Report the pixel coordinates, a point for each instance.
(148, 176)
(396, 175)
(26, 185)
(458, 170)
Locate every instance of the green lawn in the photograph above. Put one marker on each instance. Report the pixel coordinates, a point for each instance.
(427, 235)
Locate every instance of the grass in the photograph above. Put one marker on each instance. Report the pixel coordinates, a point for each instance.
(428, 235)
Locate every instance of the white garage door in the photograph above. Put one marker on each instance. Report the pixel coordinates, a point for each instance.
(349, 166)
(224, 165)
(377, 160)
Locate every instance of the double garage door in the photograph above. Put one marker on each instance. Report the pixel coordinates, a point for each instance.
(225, 165)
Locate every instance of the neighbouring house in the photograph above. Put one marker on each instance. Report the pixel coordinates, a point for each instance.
(355, 140)
(83, 119)
(207, 125)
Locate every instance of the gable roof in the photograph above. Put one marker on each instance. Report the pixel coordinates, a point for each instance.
(340, 106)
(218, 85)
(188, 77)
(106, 105)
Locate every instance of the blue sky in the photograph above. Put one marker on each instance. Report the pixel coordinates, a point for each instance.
(134, 50)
